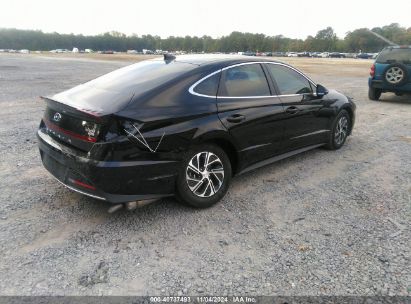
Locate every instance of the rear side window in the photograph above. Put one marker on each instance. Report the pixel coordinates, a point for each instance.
(244, 80)
(289, 81)
(208, 86)
(394, 55)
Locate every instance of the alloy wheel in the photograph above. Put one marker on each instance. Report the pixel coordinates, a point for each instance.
(341, 130)
(394, 75)
(205, 174)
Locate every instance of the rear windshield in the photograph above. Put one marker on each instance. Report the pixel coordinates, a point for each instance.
(140, 77)
(395, 55)
(111, 92)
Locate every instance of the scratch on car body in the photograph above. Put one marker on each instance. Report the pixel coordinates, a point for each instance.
(143, 141)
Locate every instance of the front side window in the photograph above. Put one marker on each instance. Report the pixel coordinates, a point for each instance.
(243, 81)
(289, 81)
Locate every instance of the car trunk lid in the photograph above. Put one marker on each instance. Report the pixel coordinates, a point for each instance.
(74, 127)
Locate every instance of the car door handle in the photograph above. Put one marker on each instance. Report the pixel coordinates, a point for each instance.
(292, 110)
(236, 118)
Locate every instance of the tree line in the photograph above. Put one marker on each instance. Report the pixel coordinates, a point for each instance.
(325, 40)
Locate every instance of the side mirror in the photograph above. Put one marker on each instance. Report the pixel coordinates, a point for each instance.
(321, 90)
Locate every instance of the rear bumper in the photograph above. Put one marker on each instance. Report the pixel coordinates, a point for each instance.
(379, 84)
(111, 181)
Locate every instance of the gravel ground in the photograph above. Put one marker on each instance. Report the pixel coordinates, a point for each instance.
(321, 223)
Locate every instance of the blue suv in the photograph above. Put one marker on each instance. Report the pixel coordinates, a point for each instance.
(391, 72)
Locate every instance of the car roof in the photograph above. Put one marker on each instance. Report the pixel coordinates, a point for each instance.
(398, 47)
(217, 59)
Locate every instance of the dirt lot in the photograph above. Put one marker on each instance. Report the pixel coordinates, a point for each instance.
(329, 223)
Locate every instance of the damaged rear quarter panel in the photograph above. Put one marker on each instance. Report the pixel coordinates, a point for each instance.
(171, 120)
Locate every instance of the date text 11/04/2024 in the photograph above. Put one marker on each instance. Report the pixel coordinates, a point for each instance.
(203, 299)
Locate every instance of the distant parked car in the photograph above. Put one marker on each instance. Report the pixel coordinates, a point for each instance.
(304, 54)
(147, 52)
(249, 54)
(350, 55)
(324, 55)
(107, 52)
(292, 54)
(364, 56)
(24, 51)
(336, 55)
(279, 54)
(391, 72)
(60, 51)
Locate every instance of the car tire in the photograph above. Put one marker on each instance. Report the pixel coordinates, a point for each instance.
(374, 94)
(214, 176)
(339, 131)
(395, 74)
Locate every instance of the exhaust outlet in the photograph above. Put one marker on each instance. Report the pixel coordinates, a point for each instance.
(131, 205)
(115, 208)
(136, 204)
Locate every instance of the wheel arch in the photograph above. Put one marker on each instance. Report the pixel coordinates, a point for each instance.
(227, 146)
(230, 150)
(351, 114)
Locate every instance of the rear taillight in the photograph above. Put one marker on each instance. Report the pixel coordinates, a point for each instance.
(372, 71)
(87, 126)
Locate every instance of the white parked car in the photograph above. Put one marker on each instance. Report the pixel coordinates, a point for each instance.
(147, 52)
(59, 51)
(292, 54)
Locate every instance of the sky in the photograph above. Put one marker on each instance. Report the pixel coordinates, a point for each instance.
(216, 18)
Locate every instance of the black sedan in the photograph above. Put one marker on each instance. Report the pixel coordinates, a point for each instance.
(185, 125)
